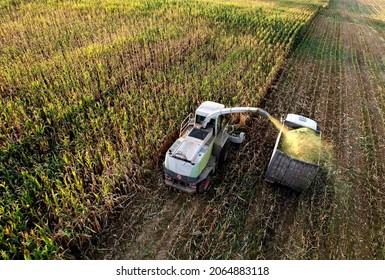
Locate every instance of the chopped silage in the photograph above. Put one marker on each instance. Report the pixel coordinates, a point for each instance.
(304, 144)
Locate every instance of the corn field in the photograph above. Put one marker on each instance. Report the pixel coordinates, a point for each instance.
(92, 92)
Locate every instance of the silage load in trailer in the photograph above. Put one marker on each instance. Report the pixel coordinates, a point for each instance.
(306, 145)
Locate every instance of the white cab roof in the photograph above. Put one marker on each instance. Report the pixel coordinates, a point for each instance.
(208, 107)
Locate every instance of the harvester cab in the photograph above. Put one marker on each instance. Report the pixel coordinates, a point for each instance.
(202, 145)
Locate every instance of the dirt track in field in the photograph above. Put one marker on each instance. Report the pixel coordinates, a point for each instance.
(336, 76)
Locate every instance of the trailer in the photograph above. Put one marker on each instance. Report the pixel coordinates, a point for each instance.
(287, 170)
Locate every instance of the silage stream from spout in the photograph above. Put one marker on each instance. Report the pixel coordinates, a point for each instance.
(303, 144)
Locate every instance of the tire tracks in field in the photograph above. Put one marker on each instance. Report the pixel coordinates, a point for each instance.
(373, 131)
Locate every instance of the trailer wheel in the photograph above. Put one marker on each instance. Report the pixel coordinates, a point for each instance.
(224, 153)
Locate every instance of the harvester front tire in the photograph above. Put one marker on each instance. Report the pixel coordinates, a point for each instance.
(224, 153)
(204, 185)
(201, 188)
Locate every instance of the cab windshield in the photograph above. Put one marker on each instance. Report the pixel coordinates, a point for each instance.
(199, 119)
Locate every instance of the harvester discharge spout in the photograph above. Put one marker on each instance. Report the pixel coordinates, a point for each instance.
(263, 113)
(233, 110)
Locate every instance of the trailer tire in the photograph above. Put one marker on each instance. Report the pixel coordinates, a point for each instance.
(223, 155)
